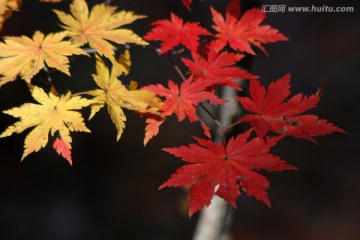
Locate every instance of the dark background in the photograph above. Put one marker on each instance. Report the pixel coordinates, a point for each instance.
(110, 192)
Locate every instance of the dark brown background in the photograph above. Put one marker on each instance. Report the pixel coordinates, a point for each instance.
(110, 192)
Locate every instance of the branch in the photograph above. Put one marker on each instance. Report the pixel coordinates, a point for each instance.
(215, 219)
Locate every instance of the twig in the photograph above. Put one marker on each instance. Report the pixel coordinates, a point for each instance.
(79, 93)
(93, 50)
(214, 220)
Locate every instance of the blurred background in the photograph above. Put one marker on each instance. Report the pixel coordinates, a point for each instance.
(111, 191)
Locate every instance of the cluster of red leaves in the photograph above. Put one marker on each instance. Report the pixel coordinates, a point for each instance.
(227, 168)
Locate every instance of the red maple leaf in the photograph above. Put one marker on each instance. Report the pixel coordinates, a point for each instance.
(218, 68)
(216, 169)
(233, 8)
(187, 3)
(153, 123)
(272, 113)
(175, 32)
(183, 100)
(63, 148)
(241, 33)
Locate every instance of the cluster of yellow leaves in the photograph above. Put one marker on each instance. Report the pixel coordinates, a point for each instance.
(116, 96)
(6, 9)
(25, 57)
(52, 114)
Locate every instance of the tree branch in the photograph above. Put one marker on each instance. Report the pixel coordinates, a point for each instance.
(215, 219)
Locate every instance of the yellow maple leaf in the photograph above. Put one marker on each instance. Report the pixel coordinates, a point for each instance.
(99, 26)
(6, 9)
(124, 62)
(52, 114)
(25, 57)
(117, 96)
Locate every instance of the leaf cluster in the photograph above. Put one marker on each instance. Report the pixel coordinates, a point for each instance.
(227, 169)
(99, 28)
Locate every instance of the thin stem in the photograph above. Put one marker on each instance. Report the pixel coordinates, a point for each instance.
(224, 142)
(232, 125)
(182, 76)
(90, 50)
(93, 50)
(212, 116)
(79, 93)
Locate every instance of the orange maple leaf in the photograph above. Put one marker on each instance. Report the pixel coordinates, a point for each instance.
(63, 148)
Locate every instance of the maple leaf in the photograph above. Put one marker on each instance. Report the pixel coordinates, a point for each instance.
(99, 26)
(223, 170)
(206, 129)
(52, 114)
(183, 100)
(218, 68)
(233, 8)
(6, 9)
(153, 123)
(117, 96)
(187, 3)
(175, 32)
(241, 33)
(25, 57)
(63, 148)
(272, 113)
(124, 63)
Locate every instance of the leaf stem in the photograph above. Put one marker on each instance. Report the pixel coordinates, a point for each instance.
(182, 76)
(232, 125)
(212, 116)
(79, 93)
